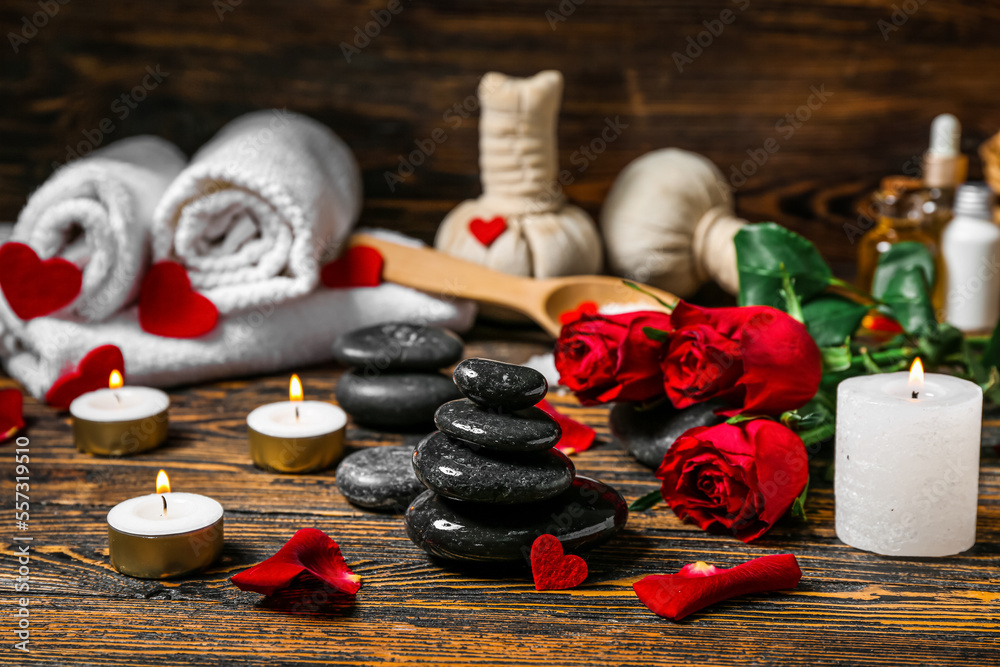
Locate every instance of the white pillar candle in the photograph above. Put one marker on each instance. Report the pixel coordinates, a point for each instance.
(120, 420)
(906, 476)
(296, 436)
(164, 534)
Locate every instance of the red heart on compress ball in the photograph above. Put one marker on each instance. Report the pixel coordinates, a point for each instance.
(360, 266)
(552, 569)
(32, 287)
(169, 307)
(487, 232)
(90, 374)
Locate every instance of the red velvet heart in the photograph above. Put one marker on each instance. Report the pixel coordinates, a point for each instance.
(360, 266)
(487, 232)
(11, 413)
(169, 307)
(32, 287)
(90, 374)
(552, 570)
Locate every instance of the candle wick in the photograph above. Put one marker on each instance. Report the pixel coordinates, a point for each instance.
(296, 413)
(914, 394)
(164, 499)
(117, 397)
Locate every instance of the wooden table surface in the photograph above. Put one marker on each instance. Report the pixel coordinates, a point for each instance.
(851, 607)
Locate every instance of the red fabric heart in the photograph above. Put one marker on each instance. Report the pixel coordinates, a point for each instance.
(169, 307)
(32, 287)
(11, 413)
(553, 570)
(360, 266)
(699, 585)
(309, 552)
(90, 374)
(576, 436)
(487, 232)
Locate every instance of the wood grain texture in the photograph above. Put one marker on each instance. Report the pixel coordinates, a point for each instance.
(419, 73)
(851, 608)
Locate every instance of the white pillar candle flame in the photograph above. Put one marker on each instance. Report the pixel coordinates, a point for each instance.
(916, 381)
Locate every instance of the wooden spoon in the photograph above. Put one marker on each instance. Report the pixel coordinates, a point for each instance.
(542, 300)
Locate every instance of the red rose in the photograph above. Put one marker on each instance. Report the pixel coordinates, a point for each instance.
(605, 358)
(755, 358)
(738, 477)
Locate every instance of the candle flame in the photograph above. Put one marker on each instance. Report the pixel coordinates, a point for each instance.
(917, 375)
(295, 389)
(162, 482)
(115, 380)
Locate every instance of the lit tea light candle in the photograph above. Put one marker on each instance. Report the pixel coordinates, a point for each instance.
(164, 534)
(906, 479)
(296, 436)
(120, 420)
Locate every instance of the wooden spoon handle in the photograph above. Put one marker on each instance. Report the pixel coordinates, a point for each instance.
(447, 277)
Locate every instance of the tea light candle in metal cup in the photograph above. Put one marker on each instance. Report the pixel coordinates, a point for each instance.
(296, 436)
(164, 534)
(906, 469)
(120, 420)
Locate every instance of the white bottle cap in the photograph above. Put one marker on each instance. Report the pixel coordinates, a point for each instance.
(974, 200)
(946, 136)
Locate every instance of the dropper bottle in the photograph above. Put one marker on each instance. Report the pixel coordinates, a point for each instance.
(945, 168)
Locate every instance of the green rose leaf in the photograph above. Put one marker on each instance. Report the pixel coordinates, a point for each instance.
(761, 250)
(906, 299)
(901, 258)
(831, 318)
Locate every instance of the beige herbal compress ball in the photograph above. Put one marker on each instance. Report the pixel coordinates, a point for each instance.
(669, 222)
(521, 224)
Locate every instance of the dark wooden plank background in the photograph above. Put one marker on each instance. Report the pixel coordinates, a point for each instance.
(851, 608)
(225, 57)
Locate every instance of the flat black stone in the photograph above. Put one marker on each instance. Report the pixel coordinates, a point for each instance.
(398, 346)
(648, 434)
(583, 516)
(528, 430)
(380, 478)
(394, 400)
(497, 385)
(450, 468)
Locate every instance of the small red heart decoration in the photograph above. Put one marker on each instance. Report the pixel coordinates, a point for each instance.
(90, 374)
(32, 287)
(552, 570)
(360, 266)
(487, 232)
(11, 413)
(169, 307)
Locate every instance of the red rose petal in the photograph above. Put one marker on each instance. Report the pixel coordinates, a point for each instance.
(309, 551)
(11, 413)
(90, 374)
(34, 288)
(552, 569)
(699, 585)
(169, 307)
(585, 308)
(360, 266)
(487, 232)
(576, 436)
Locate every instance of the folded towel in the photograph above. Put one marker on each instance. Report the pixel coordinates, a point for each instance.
(259, 209)
(97, 212)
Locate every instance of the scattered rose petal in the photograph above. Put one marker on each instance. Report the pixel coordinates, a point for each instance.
(11, 413)
(881, 323)
(552, 569)
(90, 374)
(309, 552)
(360, 266)
(576, 436)
(169, 307)
(486, 232)
(34, 287)
(699, 585)
(585, 308)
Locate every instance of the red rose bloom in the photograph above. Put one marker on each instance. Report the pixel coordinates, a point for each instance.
(740, 478)
(755, 358)
(605, 358)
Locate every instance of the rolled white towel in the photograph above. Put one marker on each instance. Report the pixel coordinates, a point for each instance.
(97, 212)
(260, 208)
